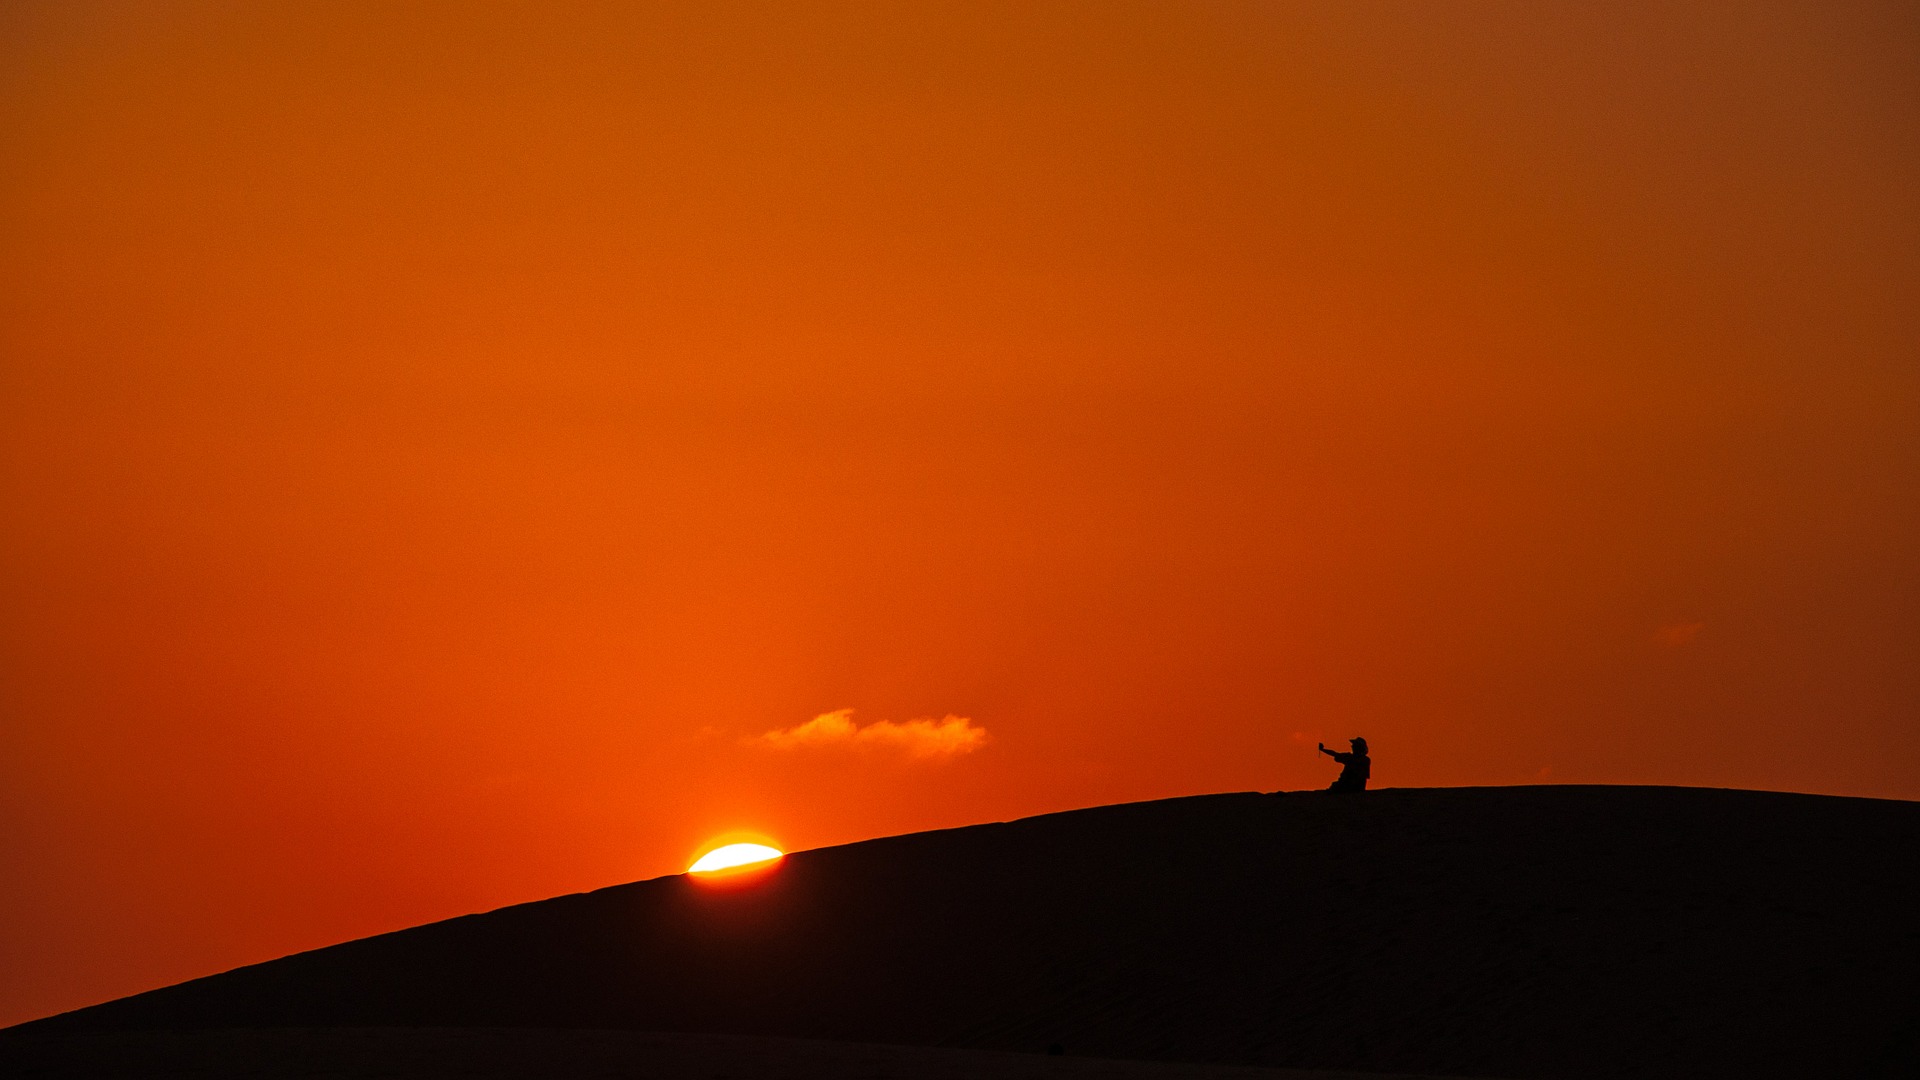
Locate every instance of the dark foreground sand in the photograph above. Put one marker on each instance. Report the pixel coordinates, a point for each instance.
(1495, 932)
(508, 1054)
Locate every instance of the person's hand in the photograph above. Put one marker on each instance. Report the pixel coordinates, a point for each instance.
(1323, 746)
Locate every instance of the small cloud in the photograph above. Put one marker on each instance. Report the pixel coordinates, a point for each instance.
(1674, 635)
(923, 739)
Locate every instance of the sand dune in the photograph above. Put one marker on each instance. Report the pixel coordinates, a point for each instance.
(1507, 932)
(514, 1054)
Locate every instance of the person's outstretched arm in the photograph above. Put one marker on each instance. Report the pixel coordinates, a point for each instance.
(1329, 753)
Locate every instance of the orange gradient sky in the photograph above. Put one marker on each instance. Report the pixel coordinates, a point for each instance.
(454, 452)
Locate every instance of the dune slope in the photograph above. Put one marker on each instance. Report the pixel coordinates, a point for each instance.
(554, 1054)
(1517, 932)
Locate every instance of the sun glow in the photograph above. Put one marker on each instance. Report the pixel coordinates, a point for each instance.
(732, 856)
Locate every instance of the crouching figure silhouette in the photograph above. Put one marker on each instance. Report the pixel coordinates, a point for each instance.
(1358, 766)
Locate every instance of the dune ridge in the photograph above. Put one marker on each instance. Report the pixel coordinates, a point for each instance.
(1495, 932)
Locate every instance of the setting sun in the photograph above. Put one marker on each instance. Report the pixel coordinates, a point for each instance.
(733, 855)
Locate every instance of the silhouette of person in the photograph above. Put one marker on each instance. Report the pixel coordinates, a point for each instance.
(1358, 766)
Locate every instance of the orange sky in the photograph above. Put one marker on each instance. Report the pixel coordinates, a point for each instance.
(441, 446)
